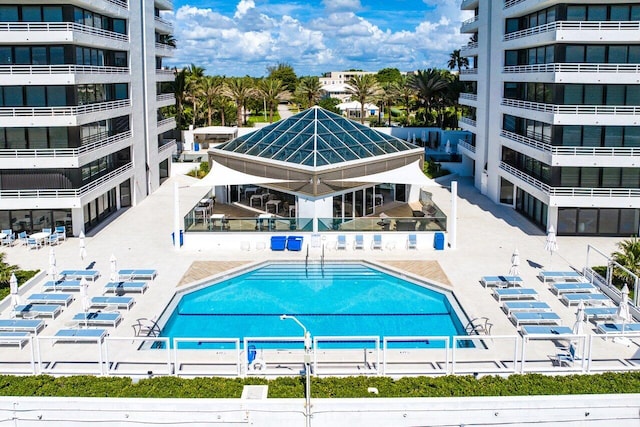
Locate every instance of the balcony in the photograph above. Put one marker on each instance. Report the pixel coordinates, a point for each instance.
(65, 198)
(163, 26)
(577, 31)
(613, 115)
(575, 73)
(166, 150)
(166, 125)
(470, 99)
(165, 99)
(164, 49)
(62, 74)
(470, 25)
(61, 33)
(469, 4)
(164, 4)
(63, 116)
(63, 157)
(573, 196)
(165, 75)
(510, 3)
(467, 122)
(105, 6)
(572, 156)
(465, 148)
(470, 49)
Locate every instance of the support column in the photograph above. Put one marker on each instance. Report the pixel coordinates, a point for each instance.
(453, 218)
(176, 216)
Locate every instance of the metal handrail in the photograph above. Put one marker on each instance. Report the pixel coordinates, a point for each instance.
(469, 96)
(574, 25)
(64, 193)
(165, 97)
(464, 144)
(467, 120)
(63, 111)
(166, 121)
(62, 69)
(170, 144)
(525, 177)
(164, 46)
(572, 68)
(163, 21)
(64, 152)
(470, 20)
(62, 26)
(616, 110)
(509, 3)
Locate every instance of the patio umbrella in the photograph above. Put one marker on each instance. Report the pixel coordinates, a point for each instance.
(83, 249)
(113, 269)
(623, 308)
(515, 264)
(13, 288)
(447, 147)
(424, 138)
(551, 244)
(578, 327)
(84, 296)
(53, 271)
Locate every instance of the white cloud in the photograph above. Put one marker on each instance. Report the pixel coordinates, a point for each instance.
(243, 7)
(342, 4)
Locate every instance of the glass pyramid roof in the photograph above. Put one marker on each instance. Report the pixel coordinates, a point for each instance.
(315, 138)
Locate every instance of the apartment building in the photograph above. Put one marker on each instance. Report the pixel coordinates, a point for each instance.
(85, 128)
(554, 106)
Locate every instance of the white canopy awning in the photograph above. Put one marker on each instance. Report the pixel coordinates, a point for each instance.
(409, 174)
(222, 175)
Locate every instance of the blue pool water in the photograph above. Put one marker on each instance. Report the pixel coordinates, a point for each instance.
(337, 300)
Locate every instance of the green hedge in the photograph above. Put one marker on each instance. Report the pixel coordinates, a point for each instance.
(349, 387)
(23, 276)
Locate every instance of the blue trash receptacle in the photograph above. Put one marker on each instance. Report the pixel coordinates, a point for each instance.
(196, 146)
(438, 241)
(173, 238)
(251, 354)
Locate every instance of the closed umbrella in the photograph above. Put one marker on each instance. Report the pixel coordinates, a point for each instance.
(578, 327)
(623, 308)
(447, 147)
(113, 268)
(424, 138)
(83, 249)
(551, 245)
(13, 288)
(53, 270)
(515, 264)
(84, 297)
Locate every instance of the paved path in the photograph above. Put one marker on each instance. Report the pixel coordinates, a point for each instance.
(284, 112)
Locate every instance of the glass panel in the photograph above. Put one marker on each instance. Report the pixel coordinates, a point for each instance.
(573, 94)
(37, 137)
(78, 15)
(31, 14)
(39, 55)
(594, 94)
(617, 54)
(88, 18)
(6, 55)
(551, 14)
(629, 221)
(615, 95)
(52, 13)
(23, 55)
(590, 177)
(567, 220)
(591, 136)
(634, 55)
(13, 96)
(56, 55)
(58, 137)
(56, 96)
(122, 91)
(8, 13)
(635, 13)
(611, 177)
(574, 54)
(596, 54)
(613, 136)
(549, 54)
(633, 95)
(576, 13)
(511, 57)
(506, 191)
(608, 221)
(632, 136)
(16, 138)
(120, 26)
(587, 221)
(572, 135)
(619, 13)
(597, 13)
(569, 177)
(630, 178)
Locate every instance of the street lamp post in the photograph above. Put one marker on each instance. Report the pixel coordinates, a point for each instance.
(307, 363)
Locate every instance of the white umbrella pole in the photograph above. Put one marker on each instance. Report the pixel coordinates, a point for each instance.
(176, 216)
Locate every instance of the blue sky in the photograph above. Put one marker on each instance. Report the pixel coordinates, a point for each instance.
(244, 37)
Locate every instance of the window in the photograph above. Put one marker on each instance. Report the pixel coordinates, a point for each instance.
(571, 135)
(633, 95)
(632, 136)
(37, 137)
(36, 96)
(39, 55)
(58, 137)
(13, 96)
(591, 136)
(613, 136)
(569, 177)
(620, 13)
(593, 94)
(608, 221)
(611, 177)
(15, 138)
(6, 55)
(573, 94)
(576, 13)
(617, 54)
(56, 96)
(52, 13)
(595, 54)
(574, 54)
(8, 13)
(56, 55)
(120, 26)
(23, 55)
(597, 13)
(588, 221)
(615, 95)
(122, 91)
(31, 14)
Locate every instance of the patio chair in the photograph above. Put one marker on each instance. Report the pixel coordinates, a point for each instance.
(9, 238)
(146, 328)
(61, 232)
(33, 243)
(341, 243)
(377, 242)
(52, 239)
(412, 242)
(565, 356)
(478, 326)
(358, 243)
(22, 237)
(47, 230)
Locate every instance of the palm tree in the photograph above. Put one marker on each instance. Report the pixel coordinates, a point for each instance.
(5, 271)
(180, 87)
(211, 91)
(195, 91)
(364, 88)
(389, 95)
(628, 256)
(429, 86)
(239, 89)
(406, 93)
(272, 91)
(457, 61)
(310, 90)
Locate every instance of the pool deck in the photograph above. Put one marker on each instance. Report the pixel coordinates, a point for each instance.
(139, 237)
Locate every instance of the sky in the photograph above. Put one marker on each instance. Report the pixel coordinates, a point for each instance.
(244, 37)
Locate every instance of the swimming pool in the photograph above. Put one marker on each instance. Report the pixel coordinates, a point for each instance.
(337, 299)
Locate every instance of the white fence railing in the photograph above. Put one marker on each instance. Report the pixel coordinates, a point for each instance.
(469, 71)
(163, 97)
(62, 26)
(464, 144)
(470, 21)
(63, 111)
(572, 68)
(64, 152)
(370, 355)
(467, 120)
(60, 69)
(616, 110)
(525, 177)
(574, 26)
(163, 21)
(509, 3)
(468, 47)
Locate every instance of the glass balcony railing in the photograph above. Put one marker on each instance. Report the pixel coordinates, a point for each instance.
(438, 222)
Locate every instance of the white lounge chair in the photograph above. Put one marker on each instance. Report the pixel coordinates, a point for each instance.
(513, 306)
(116, 302)
(358, 243)
(341, 243)
(572, 287)
(122, 287)
(37, 310)
(514, 293)
(553, 276)
(377, 242)
(608, 328)
(534, 318)
(412, 241)
(501, 281)
(587, 299)
(98, 318)
(600, 313)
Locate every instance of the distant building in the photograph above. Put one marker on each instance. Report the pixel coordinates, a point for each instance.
(351, 109)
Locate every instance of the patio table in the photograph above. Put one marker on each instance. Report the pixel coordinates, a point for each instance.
(40, 236)
(255, 197)
(215, 218)
(275, 203)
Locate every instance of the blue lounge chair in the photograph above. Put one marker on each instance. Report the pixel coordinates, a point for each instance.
(514, 306)
(545, 330)
(501, 281)
(50, 298)
(294, 243)
(600, 313)
(534, 318)
(91, 335)
(21, 325)
(137, 274)
(412, 241)
(98, 318)
(377, 242)
(514, 293)
(123, 287)
(33, 243)
(14, 338)
(572, 287)
(69, 285)
(358, 243)
(117, 302)
(618, 328)
(37, 310)
(61, 232)
(588, 299)
(91, 275)
(566, 356)
(341, 243)
(552, 276)
(278, 243)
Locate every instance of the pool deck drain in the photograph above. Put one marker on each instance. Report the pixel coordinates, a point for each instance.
(199, 270)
